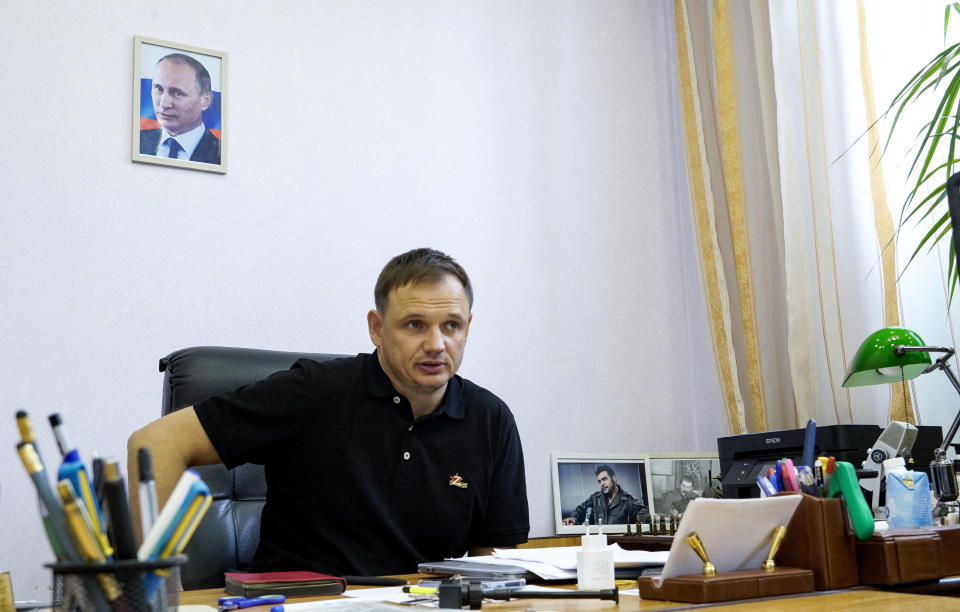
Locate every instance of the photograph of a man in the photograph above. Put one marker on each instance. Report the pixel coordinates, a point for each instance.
(181, 91)
(677, 499)
(611, 505)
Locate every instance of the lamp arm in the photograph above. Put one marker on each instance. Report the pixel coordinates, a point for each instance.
(939, 364)
(947, 439)
(901, 349)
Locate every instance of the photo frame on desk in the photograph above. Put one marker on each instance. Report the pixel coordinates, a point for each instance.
(678, 478)
(178, 104)
(576, 480)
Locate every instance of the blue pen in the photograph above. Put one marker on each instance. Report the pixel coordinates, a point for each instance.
(809, 441)
(238, 603)
(775, 479)
(766, 487)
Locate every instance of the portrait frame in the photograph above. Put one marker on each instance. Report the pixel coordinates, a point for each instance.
(667, 470)
(146, 52)
(574, 480)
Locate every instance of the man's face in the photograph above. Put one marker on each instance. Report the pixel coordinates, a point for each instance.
(422, 334)
(686, 487)
(177, 101)
(606, 482)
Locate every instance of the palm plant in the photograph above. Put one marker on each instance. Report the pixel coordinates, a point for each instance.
(937, 156)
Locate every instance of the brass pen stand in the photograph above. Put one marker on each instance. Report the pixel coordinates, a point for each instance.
(712, 586)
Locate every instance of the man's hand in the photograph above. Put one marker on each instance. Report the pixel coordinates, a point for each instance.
(569, 521)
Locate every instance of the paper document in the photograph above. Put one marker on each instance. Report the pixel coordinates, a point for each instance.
(565, 557)
(735, 533)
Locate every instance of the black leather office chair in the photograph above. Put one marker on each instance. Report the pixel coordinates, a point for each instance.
(229, 533)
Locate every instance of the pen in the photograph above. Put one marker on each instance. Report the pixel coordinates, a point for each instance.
(60, 433)
(27, 434)
(766, 487)
(148, 491)
(60, 541)
(809, 441)
(73, 469)
(84, 538)
(119, 523)
(188, 524)
(777, 477)
(234, 603)
(805, 479)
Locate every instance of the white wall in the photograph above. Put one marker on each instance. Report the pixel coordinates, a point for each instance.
(537, 142)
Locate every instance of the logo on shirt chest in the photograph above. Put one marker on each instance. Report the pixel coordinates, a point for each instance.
(457, 481)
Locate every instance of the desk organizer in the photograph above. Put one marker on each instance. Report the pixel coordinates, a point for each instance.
(129, 586)
(820, 539)
(726, 586)
(900, 556)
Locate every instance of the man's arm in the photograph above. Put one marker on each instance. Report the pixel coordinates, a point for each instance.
(176, 442)
(639, 508)
(579, 513)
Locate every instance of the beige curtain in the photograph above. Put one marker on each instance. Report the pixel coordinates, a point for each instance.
(733, 179)
(794, 228)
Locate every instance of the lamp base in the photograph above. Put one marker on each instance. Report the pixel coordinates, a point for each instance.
(944, 479)
(946, 513)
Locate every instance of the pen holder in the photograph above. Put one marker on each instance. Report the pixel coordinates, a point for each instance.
(819, 538)
(128, 586)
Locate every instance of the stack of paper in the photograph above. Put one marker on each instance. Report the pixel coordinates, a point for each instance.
(560, 563)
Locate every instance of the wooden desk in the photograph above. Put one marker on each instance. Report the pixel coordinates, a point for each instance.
(860, 598)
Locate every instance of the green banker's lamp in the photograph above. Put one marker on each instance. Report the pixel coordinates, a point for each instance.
(896, 354)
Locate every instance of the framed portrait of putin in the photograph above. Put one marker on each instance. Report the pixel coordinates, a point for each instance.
(605, 490)
(179, 116)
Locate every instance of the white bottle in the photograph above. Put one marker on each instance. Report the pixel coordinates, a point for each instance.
(594, 562)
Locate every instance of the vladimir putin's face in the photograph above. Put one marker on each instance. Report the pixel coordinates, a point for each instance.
(177, 100)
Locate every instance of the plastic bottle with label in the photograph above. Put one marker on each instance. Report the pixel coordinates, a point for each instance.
(908, 495)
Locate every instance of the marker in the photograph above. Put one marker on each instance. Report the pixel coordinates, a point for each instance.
(96, 471)
(148, 491)
(789, 476)
(419, 590)
(120, 525)
(60, 433)
(831, 466)
(809, 441)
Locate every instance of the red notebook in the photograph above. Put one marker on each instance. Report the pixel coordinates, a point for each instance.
(291, 584)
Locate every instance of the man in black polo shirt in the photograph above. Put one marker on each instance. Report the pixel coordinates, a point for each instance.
(374, 463)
